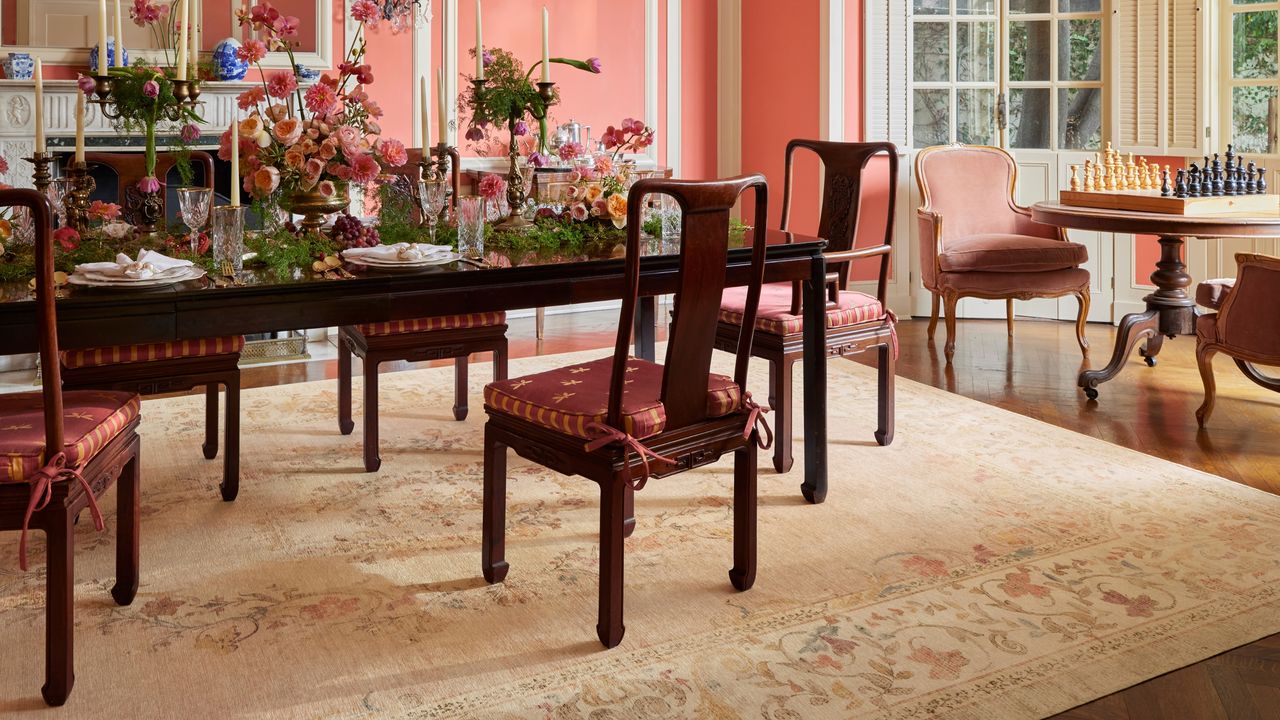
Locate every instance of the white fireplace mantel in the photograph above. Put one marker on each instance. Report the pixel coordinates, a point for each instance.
(17, 118)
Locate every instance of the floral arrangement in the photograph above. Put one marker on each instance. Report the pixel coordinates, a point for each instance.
(599, 194)
(159, 18)
(6, 227)
(634, 136)
(296, 141)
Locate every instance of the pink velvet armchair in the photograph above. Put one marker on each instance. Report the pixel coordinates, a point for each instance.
(1246, 325)
(989, 247)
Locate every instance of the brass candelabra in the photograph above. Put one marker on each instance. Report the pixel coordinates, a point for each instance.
(436, 164)
(517, 193)
(185, 91)
(76, 202)
(40, 175)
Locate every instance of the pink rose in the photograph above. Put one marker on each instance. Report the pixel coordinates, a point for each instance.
(348, 137)
(277, 112)
(151, 88)
(67, 237)
(578, 212)
(149, 184)
(393, 152)
(327, 189)
(288, 131)
(328, 149)
(281, 84)
(266, 180)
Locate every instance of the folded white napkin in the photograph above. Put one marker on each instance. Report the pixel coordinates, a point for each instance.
(400, 252)
(148, 265)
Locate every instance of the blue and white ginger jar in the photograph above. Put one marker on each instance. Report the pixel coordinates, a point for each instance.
(19, 66)
(225, 62)
(111, 56)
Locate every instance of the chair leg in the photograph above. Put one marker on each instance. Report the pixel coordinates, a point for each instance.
(950, 300)
(1081, 319)
(59, 630)
(539, 320)
(210, 446)
(1204, 358)
(494, 513)
(345, 425)
(609, 626)
(500, 362)
(885, 403)
(933, 317)
(783, 416)
(129, 507)
(743, 574)
(372, 461)
(1008, 316)
(460, 388)
(231, 463)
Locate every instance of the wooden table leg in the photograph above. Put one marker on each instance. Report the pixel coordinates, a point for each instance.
(1170, 312)
(814, 488)
(646, 328)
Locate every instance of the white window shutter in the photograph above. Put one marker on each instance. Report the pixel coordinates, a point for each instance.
(1157, 77)
(884, 73)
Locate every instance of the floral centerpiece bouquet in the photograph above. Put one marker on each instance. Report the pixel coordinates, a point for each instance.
(302, 148)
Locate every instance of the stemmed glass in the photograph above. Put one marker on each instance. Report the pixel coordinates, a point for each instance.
(56, 192)
(432, 195)
(194, 204)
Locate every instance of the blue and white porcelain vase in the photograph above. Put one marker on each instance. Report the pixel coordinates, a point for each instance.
(305, 73)
(225, 62)
(18, 66)
(111, 56)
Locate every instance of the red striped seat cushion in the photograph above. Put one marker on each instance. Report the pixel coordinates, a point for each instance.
(569, 399)
(122, 354)
(441, 322)
(90, 420)
(775, 318)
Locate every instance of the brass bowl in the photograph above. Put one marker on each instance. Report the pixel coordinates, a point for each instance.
(314, 207)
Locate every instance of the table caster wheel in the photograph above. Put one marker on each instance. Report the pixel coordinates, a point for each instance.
(1091, 393)
(1151, 362)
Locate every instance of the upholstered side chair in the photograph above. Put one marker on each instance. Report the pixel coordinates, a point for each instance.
(62, 451)
(420, 339)
(165, 367)
(975, 241)
(1246, 325)
(619, 420)
(855, 321)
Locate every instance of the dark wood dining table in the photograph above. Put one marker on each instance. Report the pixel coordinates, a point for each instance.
(267, 302)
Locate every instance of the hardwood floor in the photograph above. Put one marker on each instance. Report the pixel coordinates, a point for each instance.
(1151, 410)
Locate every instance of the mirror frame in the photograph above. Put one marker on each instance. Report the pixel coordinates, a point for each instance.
(321, 59)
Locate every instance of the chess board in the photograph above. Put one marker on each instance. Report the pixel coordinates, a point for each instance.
(1153, 201)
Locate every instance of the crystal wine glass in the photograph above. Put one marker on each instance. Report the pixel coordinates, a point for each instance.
(194, 205)
(432, 195)
(56, 192)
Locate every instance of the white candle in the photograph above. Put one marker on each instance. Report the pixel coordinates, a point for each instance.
(196, 13)
(547, 45)
(41, 146)
(425, 137)
(102, 38)
(79, 127)
(182, 40)
(235, 164)
(442, 114)
(118, 60)
(479, 45)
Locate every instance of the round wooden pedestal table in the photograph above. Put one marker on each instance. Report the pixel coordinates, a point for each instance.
(1171, 310)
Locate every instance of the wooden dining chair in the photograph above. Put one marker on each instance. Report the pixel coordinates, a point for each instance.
(63, 450)
(1245, 327)
(620, 420)
(176, 366)
(855, 321)
(421, 339)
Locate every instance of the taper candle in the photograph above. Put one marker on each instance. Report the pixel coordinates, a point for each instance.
(479, 45)
(79, 127)
(101, 69)
(41, 146)
(118, 60)
(182, 40)
(547, 45)
(235, 164)
(426, 114)
(196, 11)
(442, 114)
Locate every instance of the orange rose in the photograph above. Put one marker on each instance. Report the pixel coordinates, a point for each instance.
(593, 193)
(617, 207)
(295, 158)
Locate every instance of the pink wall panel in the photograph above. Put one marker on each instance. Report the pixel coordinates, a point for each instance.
(393, 82)
(698, 89)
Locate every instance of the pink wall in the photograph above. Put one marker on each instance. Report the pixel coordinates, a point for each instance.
(394, 85)
(698, 89)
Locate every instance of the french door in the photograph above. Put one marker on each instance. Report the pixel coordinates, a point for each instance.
(1025, 75)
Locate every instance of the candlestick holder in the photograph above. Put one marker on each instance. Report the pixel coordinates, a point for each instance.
(40, 175)
(184, 91)
(445, 160)
(517, 192)
(76, 202)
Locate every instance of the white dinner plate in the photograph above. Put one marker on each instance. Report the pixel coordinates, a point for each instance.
(432, 259)
(95, 280)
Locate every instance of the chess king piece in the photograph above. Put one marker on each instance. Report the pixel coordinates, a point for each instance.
(1231, 156)
(1180, 185)
(1075, 178)
(1165, 191)
(1250, 185)
(1229, 180)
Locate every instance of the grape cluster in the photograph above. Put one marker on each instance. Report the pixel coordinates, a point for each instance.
(349, 232)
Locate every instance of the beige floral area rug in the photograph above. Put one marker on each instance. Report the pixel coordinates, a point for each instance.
(986, 565)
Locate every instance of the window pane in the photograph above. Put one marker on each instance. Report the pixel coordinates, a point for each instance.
(932, 7)
(1029, 50)
(976, 51)
(1079, 49)
(1079, 6)
(975, 7)
(976, 116)
(1029, 118)
(1253, 44)
(1079, 118)
(932, 122)
(1020, 7)
(1253, 119)
(933, 51)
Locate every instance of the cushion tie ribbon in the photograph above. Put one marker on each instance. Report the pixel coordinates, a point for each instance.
(42, 492)
(755, 416)
(608, 435)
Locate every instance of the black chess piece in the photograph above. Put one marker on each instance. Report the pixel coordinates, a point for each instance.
(1216, 178)
(1165, 191)
(1241, 179)
(1229, 181)
(1180, 185)
(1250, 185)
(1262, 181)
(1193, 181)
(1231, 156)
